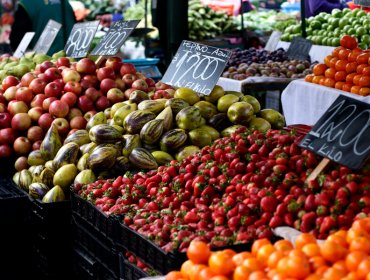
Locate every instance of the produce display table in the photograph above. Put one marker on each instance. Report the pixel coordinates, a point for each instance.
(254, 83)
(305, 103)
(317, 53)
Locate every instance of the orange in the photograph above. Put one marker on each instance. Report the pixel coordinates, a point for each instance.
(316, 262)
(351, 67)
(341, 266)
(317, 79)
(186, 268)
(365, 91)
(352, 57)
(257, 275)
(340, 76)
(283, 245)
(174, 275)
(322, 81)
(219, 277)
(364, 81)
(360, 244)
(239, 258)
(362, 225)
(241, 273)
(252, 264)
(336, 51)
(330, 73)
(360, 68)
(338, 239)
(332, 251)
(349, 78)
(353, 259)
(264, 252)
(221, 263)
(363, 58)
(363, 269)
(333, 274)
(195, 270)
(303, 239)
(311, 250)
(205, 274)
(298, 267)
(198, 252)
(343, 54)
(327, 60)
(356, 79)
(321, 270)
(309, 78)
(340, 65)
(339, 85)
(355, 89)
(348, 42)
(347, 87)
(258, 245)
(274, 258)
(366, 71)
(333, 61)
(319, 69)
(313, 277)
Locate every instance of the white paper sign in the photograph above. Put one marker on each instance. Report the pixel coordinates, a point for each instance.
(273, 41)
(23, 45)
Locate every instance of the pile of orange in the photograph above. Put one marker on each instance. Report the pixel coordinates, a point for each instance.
(347, 68)
(344, 255)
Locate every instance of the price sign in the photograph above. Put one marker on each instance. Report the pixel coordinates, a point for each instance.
(365, 3)
(47, 37)
(197, 67)
(23, 45)
(114, 39)
(273, 41)
(299, 48)
(342, 134)
(80, 39)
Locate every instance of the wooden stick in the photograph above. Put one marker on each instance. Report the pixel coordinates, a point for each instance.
(99, 60)
(319, 168)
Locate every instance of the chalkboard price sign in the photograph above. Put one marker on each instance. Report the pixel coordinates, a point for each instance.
(114, 39)
(299, 48)
(47, 37)
(197, 67)
(342, 134)
(79, 41)
(365, 3)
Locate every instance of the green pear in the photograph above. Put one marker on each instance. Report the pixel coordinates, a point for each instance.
(40, 58)
(10, 65)
(20, 70)
(29, 54)
(59, 54)
(3, 74)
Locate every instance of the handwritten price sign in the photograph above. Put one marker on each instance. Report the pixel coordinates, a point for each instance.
(80, 39)
(47, 37)
(365, 3)
(343, 133)
(114, 39)
(196, 66)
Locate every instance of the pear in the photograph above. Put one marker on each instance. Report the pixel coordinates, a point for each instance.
(20, 70)
(59, 54)
(10, 65)
(40, 58)
(3, 74)
(29, 54)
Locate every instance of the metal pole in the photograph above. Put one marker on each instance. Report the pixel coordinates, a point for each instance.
(303, 19)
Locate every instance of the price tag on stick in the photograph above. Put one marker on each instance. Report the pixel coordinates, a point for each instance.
(365, 3)
(197, 67)
(114, 39)
(299, 48)
(23, 45)
(47, 37)
(342, 134)
(80, 39)
(273, 41)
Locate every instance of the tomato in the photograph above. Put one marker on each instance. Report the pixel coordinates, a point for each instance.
(349, 42)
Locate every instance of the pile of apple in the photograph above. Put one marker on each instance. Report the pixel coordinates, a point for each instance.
(64, 93)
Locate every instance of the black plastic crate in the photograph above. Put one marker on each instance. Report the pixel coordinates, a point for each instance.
(129, 271)
(88, 215)
(101, 250)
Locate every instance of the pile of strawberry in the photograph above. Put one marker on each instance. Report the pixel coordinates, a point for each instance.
(236, 191)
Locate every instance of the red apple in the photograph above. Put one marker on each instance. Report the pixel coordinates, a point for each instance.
(7, 135)
(9, 93)
(89, 81)
(89, 114)
(120, 84)
(22, 145)
(63, 61)
(35, 133)
(37, 85)
(73, 65)
(140, 84)
(128, 92)
(27, 78)
(74, 112)
(21, 121)
(15, 107)
(102, 103)
(70, 98)
(9, 81)
(72, 131)
(2, 98)
(38, 100)
(74, 87)
(105, 73)
(114, 62)
(52, 74)
(107, 84)
(115, 95)
(127, 68)
(3, 108)
(70, 75)
(150, 82)
(171, 92)
(140, 76)
(45, 121)
(60, 82)
(86, 66)
(35, 113)
(160, 85)
(41, 76)
(46, 103)
(21, 163)
(62, 125)
(5, 120)
(129, 79)
(78, 122)
(93, 93)
(46, 65)
(5, 151)
(58, 109)
(85, 104)
(53, 89)
(24, 94)
(36, 145)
